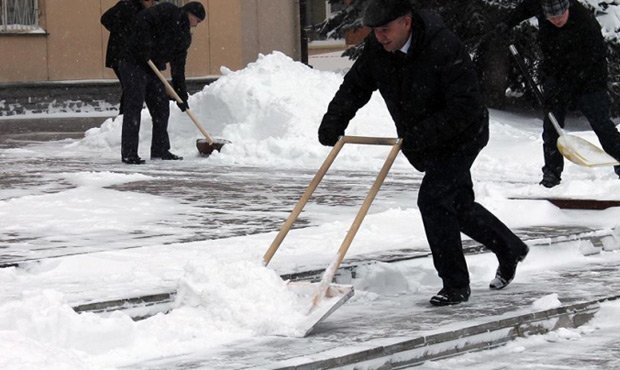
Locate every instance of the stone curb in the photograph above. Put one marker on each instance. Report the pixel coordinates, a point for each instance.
(148, 305)
(414, 351)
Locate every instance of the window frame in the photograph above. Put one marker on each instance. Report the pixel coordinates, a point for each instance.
(31, 14)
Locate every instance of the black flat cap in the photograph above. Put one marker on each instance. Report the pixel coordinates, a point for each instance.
(196, 9)
(381, 12)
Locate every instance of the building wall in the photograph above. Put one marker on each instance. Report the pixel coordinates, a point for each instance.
(73, 47)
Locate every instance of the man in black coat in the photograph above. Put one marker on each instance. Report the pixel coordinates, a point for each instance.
(573, 72)
(162, 34)
(430, 87)
(120, 20)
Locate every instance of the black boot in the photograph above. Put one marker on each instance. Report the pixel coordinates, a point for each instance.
(450, 296)
(550, 180)
(506, 272)
(166, 156)
(133, 160)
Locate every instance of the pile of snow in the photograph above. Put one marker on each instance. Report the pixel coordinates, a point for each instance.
(270, 111)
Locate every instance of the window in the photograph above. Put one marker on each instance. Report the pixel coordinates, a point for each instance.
(18, 16)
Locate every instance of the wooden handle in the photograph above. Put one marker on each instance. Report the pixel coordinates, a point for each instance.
(302, 201)
(330, 272)
(396, 143)
(176, 97)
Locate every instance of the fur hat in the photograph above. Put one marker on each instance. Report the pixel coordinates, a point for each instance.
(196, 9)
(381, 12)
(554, 8)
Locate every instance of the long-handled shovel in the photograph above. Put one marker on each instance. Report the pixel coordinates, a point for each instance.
(573, 148)
(205, 146)
(327, 297)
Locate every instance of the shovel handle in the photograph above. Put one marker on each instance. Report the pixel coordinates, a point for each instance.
(302, 201)
(534, 87)
(330, 272)
(178, 99)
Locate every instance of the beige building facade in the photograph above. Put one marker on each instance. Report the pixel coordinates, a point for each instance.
(68, 42)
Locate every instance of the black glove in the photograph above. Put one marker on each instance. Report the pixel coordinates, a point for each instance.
(329, 136)
(183, 106)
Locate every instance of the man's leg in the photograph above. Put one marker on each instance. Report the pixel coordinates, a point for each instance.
(595, 106)
(556, 100)
(134, 80)
(554, 162)
(159, 106)
(442, 182)
(118, 75)
(482, 226)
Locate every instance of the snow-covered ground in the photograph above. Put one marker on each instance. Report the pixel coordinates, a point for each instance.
(270, 112)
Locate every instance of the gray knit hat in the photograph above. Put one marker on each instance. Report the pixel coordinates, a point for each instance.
(382, 12)
(554, 8)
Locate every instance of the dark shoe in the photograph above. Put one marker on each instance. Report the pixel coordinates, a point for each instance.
(505, 273)
(450, 296)
(167, 156)
(550, 180)
(133, 160)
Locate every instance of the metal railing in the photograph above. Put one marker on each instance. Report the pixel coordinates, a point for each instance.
(19, 15)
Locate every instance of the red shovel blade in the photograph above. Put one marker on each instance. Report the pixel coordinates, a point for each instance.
(206, 149)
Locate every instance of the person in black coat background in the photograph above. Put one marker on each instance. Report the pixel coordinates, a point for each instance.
(120, 20)
(162, 34)
(573, 72)
(430, 87)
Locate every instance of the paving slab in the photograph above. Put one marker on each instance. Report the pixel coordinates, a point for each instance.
(397, 331)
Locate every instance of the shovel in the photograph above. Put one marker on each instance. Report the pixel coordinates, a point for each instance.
(573, 148)
(205, 146)
(325, 297)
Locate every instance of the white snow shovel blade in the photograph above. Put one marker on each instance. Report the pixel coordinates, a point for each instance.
(584, 153)
(335, 297)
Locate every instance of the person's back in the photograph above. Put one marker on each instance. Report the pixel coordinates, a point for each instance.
(162, 34)
(120, 20)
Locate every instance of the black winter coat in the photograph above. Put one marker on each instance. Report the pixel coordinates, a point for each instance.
(573, 55)
(120, 20)
(432, 93)
(162, 35)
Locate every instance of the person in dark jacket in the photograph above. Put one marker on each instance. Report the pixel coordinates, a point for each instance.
(430, 87)
(573, 72)
(162, 35)
(120, 20)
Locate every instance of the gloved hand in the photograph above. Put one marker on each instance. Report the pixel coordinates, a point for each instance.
(183, 106)
(182, 93)
(328, 136)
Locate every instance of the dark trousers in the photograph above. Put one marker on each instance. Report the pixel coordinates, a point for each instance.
(118, 75)
(139, 86)
(595, 107)
(446, 202)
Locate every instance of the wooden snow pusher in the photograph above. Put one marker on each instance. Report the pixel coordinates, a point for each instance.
(325, 297)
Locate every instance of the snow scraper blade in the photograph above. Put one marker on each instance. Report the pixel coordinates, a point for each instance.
(205, 146)
(584, 153)
(335, 297)
(327, 297)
